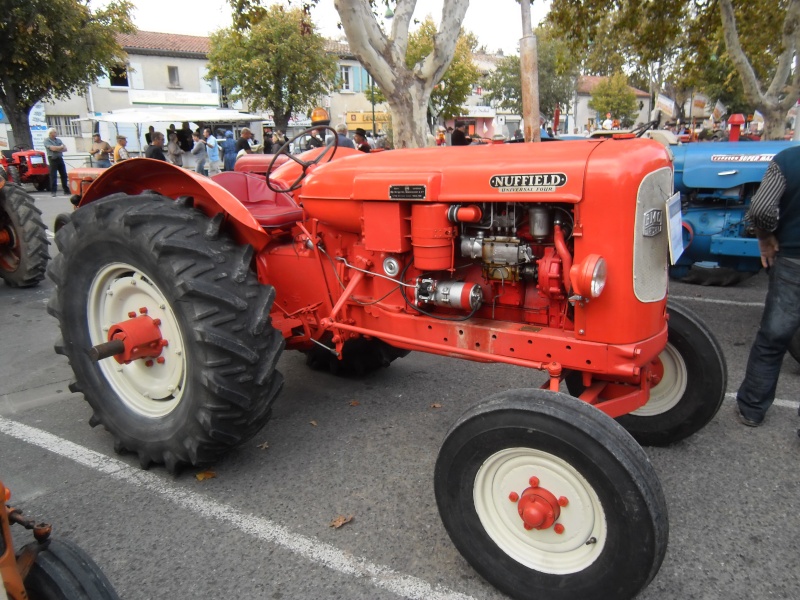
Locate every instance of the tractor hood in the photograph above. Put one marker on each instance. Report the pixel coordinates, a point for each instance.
(722, 165)
(552, 172)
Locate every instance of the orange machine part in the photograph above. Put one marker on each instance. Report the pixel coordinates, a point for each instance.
(9, 573)
(432, 237)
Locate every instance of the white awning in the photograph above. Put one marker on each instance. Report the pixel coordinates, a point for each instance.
(169, 115)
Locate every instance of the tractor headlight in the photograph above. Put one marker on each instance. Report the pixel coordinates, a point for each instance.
(589, 276)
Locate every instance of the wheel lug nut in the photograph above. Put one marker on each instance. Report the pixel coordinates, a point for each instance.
(534, 481)
(562, 501)
(148, 363)
(528, 527)
(143, 310)
(513, 496)
(131, 315)
(558, 528)
(160, 360)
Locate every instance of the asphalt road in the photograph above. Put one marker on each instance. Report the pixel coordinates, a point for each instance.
(261, 528)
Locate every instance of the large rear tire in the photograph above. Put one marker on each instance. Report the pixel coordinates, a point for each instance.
(23, 258)
(213, 385)
(65, 572)
(693, 380)
(603, 490)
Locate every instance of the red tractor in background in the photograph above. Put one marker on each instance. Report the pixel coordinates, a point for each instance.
(176, 295)
(23, 237)
(25, 165)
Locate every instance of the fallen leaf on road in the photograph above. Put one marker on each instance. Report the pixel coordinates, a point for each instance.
(436, 406)
(263, 446)
(340, 520)
(355, 403)
(314, 423)
(203, 475)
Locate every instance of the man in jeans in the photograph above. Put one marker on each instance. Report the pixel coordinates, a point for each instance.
(55, 157)
(775, 212)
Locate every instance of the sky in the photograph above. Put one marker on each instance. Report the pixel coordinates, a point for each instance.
(497, 23)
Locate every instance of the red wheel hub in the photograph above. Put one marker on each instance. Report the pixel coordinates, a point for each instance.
(141, 336)
(538, 507)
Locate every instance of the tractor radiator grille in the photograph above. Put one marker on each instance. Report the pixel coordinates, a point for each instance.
(650, 238)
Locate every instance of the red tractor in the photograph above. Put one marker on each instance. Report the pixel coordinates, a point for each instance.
(176, 295)
(24, 165)
(23, 237)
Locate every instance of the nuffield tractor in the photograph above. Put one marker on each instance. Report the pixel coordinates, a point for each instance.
(176, 295)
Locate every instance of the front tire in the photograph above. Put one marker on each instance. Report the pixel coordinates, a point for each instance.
(693, 379)
(614, 514)
(214, 383)
(23, 258)
(65, 572)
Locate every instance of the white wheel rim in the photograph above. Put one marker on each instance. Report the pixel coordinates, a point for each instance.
(668, 392)
(546, 551)
(152, 391)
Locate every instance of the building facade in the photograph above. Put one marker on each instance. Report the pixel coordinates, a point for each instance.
(586, 118)
(169, 71)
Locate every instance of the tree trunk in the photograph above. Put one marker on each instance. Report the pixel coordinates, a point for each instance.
(409, 108)
(18, 118)
(281, 120)
(774, 122)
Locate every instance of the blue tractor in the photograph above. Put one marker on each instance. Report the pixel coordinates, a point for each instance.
(716, 181)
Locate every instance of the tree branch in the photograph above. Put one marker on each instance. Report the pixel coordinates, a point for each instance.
(368, 42)
(444, 44)
(400, 24)
(790, 27)
(752, 89)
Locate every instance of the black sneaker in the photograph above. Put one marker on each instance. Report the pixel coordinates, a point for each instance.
(53, 194)
(66, 193)
(745, 421)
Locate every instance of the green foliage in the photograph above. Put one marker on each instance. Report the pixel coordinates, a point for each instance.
(277, 63)
(558, 75)
(503, 85)
(52, 49)
(614, 95)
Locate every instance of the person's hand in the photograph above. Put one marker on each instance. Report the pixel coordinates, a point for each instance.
(768, 247)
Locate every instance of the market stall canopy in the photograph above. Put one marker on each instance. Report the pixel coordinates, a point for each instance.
(167, 115)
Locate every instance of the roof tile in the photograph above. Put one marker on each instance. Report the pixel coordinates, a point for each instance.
(164, 42)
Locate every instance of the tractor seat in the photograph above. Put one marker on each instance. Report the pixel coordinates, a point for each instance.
(269, 208)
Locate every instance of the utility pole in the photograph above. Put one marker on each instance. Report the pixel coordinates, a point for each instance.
(372, 96)
(529, 76)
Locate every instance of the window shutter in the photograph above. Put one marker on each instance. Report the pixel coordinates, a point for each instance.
(104, 81)
(357, 75)
(135, 76)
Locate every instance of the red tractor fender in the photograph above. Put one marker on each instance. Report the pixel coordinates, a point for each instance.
(138, 175)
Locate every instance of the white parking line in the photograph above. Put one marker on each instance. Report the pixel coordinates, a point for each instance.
(778, 402)
(716, 301)
(405, 586)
